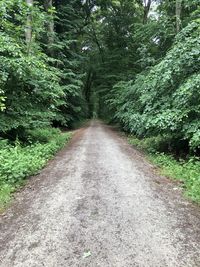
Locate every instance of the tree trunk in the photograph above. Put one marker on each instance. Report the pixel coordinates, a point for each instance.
(50, 24)
(147, 6)
(98, 43)
(178, 15)
(28, 30)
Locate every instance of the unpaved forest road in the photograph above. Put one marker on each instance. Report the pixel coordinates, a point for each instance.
(100, 195)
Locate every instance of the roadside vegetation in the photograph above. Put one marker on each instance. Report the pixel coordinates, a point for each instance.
(41, 85)
(187, 171)
(19, 161)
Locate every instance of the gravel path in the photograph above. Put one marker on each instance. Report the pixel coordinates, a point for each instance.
(100, 203)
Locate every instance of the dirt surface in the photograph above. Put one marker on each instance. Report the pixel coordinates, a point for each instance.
(100, 203)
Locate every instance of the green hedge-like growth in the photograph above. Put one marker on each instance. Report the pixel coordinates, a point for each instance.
(166, 98)
(186, 171)
(19, 162)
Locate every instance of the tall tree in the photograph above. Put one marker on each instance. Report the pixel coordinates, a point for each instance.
(48, 4)
(28, 30)
(147, 6)
(178, 15)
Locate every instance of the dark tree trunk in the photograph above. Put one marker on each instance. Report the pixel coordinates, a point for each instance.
(147, 6)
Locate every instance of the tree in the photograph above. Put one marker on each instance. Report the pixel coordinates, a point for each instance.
(28, 30)
(178, 15)
(48, 4)
(147, 6)
(106, 57)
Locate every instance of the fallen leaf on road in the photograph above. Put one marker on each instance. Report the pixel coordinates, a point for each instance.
(87, 254)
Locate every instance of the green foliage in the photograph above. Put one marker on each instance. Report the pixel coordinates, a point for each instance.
(38, 87)
(43, 135)
(152, 144)
(41, 84)
(30, 84)
(68, 54)
(2, 99)
(5, 195)
(164, 99)
(18, 162)
(187, 171)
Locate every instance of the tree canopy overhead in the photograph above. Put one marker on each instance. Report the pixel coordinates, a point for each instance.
(135, 62)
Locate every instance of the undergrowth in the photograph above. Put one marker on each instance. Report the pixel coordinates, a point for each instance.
(19, 161)
(185, 170)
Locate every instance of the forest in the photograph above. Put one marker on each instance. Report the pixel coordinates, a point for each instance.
(134, 63)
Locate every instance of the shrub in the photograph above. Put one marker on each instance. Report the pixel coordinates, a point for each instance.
(186, 171)
(43, 135)
(165, 98)
(152, 144)
(18, 162)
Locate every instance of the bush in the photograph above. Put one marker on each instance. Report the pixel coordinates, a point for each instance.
(42, 135)
(186, 171)
(152, 144)
(165, 98)
(18, 162)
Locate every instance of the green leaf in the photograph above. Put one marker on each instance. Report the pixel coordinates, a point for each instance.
(87, 254)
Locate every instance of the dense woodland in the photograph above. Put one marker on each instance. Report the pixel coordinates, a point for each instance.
(131, 62)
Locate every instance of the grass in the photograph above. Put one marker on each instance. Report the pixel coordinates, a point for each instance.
(186, 171)
(19, 161)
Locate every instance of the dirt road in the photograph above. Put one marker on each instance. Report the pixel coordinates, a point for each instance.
(99, 203)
